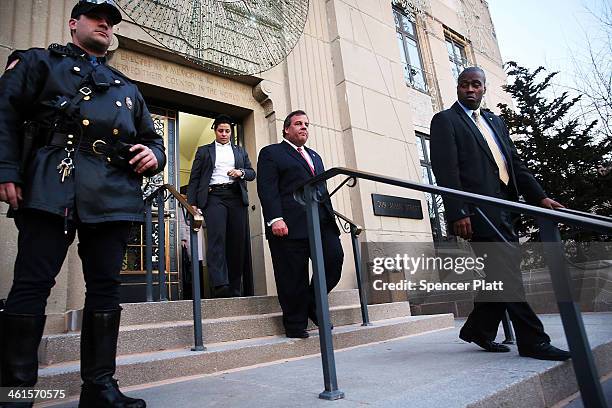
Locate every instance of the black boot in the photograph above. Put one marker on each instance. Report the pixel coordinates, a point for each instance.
(19, 340)
(98, 352)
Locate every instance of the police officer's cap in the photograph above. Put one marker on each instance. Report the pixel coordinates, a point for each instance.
(91, 6)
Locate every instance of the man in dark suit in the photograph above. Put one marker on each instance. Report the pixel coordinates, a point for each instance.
(282, 168)
(217, 186)
(471, 150)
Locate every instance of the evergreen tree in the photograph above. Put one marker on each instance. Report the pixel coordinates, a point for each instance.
(561, 151)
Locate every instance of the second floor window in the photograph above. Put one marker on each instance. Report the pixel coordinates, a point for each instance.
(457, 56)
(409, 50)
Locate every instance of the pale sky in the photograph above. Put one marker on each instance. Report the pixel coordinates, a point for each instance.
(545, 32)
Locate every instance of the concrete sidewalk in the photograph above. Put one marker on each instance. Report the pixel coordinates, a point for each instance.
(435, 369)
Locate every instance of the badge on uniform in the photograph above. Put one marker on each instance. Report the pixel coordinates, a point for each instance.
(128, 102)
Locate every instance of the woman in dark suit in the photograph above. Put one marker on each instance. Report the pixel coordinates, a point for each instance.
(217, 187)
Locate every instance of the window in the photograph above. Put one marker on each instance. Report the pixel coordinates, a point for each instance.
(409, 50)
(456, 55)
(434, 201)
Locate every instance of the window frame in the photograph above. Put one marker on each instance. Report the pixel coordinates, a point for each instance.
(425, 163)
(414, 37)
(460, 62)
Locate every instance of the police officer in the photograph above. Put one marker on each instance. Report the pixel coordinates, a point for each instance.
(75, 140)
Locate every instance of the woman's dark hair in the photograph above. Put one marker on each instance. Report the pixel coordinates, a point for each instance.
(222, 119)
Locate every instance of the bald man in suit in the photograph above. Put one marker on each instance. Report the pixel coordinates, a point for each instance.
(471, 150)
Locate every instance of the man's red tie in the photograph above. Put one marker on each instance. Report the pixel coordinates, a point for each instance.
(299, 149)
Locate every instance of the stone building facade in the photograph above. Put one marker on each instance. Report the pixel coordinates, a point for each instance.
(369, 73)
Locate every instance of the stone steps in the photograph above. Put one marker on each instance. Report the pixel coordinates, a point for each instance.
(182, 310)
(152, 366)
(150, 337)
(157, 312)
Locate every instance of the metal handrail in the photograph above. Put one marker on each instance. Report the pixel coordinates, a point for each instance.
(358, 228)
(582, 356)
(584, 214)
(195, 220)
(589, 221)
(355, 230)
(197, 217)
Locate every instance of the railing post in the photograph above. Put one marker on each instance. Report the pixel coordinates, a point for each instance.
(331, 391)
(149, 249)
(582, 356)
(195, 289)
(362, 293)
(248, 288)
(161, 248)
(508, 331)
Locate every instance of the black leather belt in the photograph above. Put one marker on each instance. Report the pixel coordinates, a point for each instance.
(98, 147)
(220, 187)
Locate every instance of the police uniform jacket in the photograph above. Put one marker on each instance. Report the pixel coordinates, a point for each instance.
(42, 87)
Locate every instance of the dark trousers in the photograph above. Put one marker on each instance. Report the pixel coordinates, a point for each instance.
(226, 229)
(503, 263)
(42, 247)
(290, 261)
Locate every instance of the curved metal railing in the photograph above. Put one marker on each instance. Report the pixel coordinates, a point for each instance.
(352, 228)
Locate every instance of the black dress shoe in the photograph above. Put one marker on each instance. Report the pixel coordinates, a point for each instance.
(487, 345)
(544, 351)
(296, 334)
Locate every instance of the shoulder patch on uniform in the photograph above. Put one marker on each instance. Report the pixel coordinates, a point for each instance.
(12, 64)
(21, 56)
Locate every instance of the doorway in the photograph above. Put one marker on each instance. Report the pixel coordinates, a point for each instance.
(183, 133)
